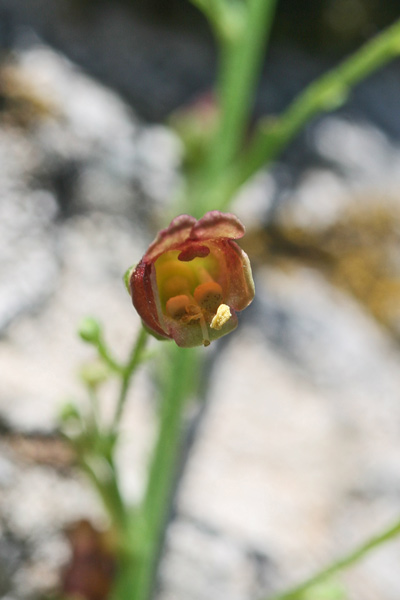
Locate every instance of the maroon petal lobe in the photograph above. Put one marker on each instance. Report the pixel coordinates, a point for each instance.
(143, 297)
(170, 238)
(216, 224)
(192, 251)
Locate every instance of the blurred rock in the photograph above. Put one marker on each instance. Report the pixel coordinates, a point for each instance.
(201, 563)
(349, 161)
(28, 261)
(155, 67)
(11, 557)
(36, 503)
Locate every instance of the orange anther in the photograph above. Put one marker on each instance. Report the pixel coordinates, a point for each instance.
(208, 296)
(177, 305)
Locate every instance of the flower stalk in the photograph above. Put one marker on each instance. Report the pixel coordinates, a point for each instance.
(179, 383)
(347, 561)
(240, 61)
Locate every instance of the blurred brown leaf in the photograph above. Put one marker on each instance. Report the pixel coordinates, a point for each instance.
(91, 570)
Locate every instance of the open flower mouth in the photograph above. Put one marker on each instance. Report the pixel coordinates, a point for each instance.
(190, 292)
(192, 280)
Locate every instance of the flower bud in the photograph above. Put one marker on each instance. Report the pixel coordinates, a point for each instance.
(90, 330)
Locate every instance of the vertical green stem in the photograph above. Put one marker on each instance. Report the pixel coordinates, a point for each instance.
(240, 64)
(179, 382)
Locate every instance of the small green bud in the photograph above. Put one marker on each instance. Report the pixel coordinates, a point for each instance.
(69, 412)
(90, 330)
(94, 373)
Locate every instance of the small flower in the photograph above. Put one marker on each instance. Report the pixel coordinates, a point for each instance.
(192, 280)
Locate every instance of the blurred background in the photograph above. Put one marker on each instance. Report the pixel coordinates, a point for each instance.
(295, 455)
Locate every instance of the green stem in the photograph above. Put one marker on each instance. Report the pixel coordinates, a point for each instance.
(343, 563)
(240, 67)
(180, 381)
(325, 94)
(240, 64)
(106, 356)
(127, 373)
(93, 417)
(109, 489)
(224, 16)
(105, 481)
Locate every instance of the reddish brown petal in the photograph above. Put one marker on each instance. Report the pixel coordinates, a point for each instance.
(216, 225)
(170, 238)
(238, 282)
(143, 297)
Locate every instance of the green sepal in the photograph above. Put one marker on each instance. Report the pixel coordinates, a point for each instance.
(127, 278)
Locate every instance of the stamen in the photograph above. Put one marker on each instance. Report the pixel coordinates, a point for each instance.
(176, 306)
(221, 317)
(208, 296)
(193, 313)
(204, 330)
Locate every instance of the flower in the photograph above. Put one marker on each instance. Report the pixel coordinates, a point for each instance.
(192, 280)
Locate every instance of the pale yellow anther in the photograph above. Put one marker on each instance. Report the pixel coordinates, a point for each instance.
(221, 317)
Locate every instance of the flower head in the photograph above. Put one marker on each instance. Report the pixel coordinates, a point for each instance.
(192, 280)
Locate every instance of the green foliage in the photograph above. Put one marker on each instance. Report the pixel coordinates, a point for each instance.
(325, 591)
